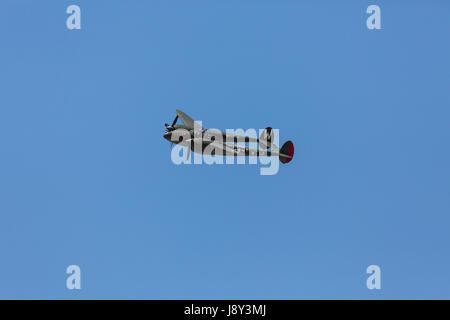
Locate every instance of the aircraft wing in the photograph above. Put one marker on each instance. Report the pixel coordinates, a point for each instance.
(231, 137)
(188, 121)
(223, 148)
(234, 150)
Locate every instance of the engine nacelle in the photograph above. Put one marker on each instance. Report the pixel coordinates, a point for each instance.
(266, 138)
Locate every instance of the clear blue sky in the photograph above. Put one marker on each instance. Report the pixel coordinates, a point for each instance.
(86, 177)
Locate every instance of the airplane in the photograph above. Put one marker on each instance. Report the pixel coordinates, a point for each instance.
(207, 138)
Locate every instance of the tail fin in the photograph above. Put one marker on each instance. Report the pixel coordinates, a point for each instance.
(286, 152)
(266, 139)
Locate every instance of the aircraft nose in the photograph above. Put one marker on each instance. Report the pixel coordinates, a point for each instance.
(167, 135)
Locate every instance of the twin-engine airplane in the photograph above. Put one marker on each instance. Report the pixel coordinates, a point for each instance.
(198, 142)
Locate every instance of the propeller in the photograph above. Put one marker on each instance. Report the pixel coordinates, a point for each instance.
(171, 127)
